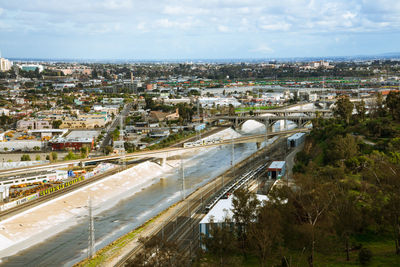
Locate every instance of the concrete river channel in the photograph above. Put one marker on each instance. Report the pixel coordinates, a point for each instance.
(70, 246)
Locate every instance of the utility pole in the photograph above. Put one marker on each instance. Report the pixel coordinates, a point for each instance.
(198, 114)
(121, 139)
(233, 157)
(183, 179)
(91, 243)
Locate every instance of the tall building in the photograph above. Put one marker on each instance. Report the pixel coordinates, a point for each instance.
(5, 64)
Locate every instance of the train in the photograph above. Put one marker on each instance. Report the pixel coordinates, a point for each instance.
(202, 142)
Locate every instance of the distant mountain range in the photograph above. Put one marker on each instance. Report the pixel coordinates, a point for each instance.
(392, 55)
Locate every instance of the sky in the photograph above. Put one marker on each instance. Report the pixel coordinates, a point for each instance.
(197, 29)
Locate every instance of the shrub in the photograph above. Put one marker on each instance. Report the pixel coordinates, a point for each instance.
(365, 256)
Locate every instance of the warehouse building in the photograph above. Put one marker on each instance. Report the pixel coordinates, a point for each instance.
(296, 139)
(276, 170)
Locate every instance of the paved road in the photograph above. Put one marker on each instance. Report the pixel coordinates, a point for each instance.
(124, 112)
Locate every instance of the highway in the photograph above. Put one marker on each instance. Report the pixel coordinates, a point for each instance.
(147, 153)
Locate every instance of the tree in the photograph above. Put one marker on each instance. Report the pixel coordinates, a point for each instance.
(393, 104)
(25, 157)
(159, 252)
(341, 148)
(231, 110)
(36, 148)
(361, 110)
(265, 233)
(311, 201)
(108, 150)
(244, 205)
(56, 124)
(221, 241)
(346, 215)
(70, 156)
(343, 109)
(53, 156)
(84, 152)
(37, 158)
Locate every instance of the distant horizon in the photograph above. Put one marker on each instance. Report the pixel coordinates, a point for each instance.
(388, 55)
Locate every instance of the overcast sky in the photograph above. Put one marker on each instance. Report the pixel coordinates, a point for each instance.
(211, 29)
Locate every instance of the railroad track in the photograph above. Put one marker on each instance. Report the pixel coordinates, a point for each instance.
(182, 226)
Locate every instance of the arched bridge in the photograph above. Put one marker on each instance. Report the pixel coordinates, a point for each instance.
(266, 120)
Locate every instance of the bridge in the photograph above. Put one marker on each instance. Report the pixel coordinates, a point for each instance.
(287, 112)
(266, 120)
(161, 154)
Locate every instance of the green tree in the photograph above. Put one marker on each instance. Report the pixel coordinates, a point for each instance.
(56, 124)
(108, 150)
(231, 111)
(221, 241)
(343, 109)
(393, 104)
(70, 156)
(361, 110)
(36, 148)
(244, 206)
(341, 148)
(25, 157)
(53, 156)
(266, 232)
(37, 158)
(84, 152)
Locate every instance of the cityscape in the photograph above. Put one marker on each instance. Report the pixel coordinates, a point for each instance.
(162, 134)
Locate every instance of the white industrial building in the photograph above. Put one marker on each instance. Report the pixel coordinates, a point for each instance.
(221, 211)
(218, 101)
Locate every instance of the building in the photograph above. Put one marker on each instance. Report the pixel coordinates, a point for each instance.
(296, 139)
(74, 141)
(85, 121)
(4, 111)
(158, 133)
(31, 67)
(276, 170)
(220, 212)
(23, 125)
(5, 64)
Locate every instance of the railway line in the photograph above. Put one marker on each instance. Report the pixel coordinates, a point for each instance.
(181, 227)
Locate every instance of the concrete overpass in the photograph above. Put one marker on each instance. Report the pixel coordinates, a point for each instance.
(162, 154)
(266, 120)
(287, 112)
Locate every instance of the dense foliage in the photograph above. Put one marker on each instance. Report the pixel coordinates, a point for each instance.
(345, 192)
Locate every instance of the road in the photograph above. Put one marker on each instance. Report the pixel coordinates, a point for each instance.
(116, 122)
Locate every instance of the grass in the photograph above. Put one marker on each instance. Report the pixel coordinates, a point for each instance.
(383, 254)
(112, 249)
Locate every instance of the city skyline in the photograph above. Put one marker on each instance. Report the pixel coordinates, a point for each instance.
(176, 30)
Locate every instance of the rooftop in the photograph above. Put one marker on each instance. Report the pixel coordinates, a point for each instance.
(223, 209)
(296, 136)
(277, 165)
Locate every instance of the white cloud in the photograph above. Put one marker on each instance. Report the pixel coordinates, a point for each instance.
(263, 49)
(223, 28)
